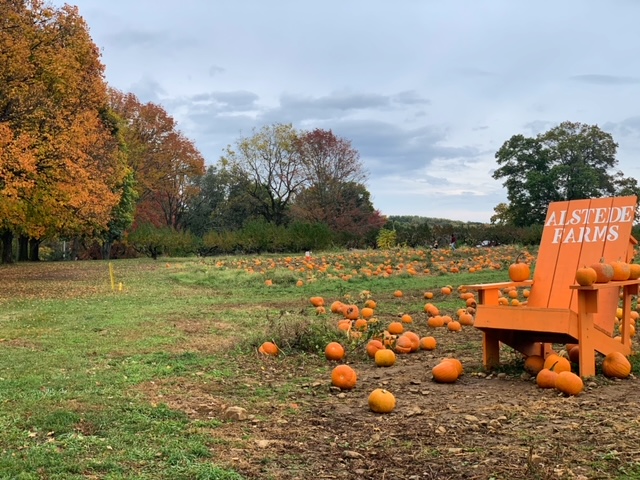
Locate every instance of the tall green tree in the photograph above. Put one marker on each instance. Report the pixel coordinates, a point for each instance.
(568, 162)
(271, 162)
(222, 204)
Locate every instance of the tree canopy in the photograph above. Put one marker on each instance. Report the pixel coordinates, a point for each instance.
(281, 175)
(571, 161)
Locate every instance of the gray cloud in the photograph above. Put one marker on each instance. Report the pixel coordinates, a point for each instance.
(133, 38)
(387, 147)
(537, 127)
(629, 127)
(147, 89)
(334, 103)
(597, 79)
(215, 70)
(410, 97)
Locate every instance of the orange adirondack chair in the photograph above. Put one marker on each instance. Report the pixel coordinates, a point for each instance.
(576, 233)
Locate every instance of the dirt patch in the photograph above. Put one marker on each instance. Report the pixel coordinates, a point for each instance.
(478, 428)
(205, 336)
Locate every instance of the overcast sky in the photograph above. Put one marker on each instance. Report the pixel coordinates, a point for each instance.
(427, 91)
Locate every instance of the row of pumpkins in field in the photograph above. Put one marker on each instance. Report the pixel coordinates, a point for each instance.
(552, 372)
(598, 272)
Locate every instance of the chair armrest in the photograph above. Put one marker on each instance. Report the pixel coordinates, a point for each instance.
(599, 286)
(492, 286)
(488, 293)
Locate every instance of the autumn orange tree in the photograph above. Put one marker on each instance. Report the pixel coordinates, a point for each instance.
(166, 165)
(61, 165)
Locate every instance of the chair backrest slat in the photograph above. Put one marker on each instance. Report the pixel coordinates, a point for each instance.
(579, 233)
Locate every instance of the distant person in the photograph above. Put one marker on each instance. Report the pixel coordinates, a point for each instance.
(435, 244)
(453, 242)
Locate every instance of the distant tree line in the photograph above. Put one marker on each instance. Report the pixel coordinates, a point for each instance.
(101, 173)
(87, 171)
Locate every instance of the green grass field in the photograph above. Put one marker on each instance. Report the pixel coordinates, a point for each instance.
(73, 354)
(83, 366)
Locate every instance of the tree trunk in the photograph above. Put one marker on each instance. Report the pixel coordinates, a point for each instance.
(7, 246)
(75, 248)
(23, 248)
(106, 250)
(34, 249)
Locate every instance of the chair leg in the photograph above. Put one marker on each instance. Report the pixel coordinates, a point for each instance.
(587, 356)
(490, 350)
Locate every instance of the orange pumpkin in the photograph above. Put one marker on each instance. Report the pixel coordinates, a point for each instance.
(428, 343)
(454, 326)
(465, 318)
(546, 378)
(269, 348)
(621, 270)
(395, 328)
(519, 271)
(351, 312)
(367, 313)
(533, 364)
(604, 271)
(634, 271)
(385, 357)
(317, 301)
(436, 322)
(457, 363)
(373, 346)
(361, 324)
(415, 340)
(586, 276)
(551, 360)
(406, 318)
(431, 310)
(344, 377)
(337, 307)
(334, 351)
(574, 353)
(403, 344)
(445, 372)
(370, 304)
(616, 365)
(561, 364)
(382, 401)
(569, 383)
(398, 294)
